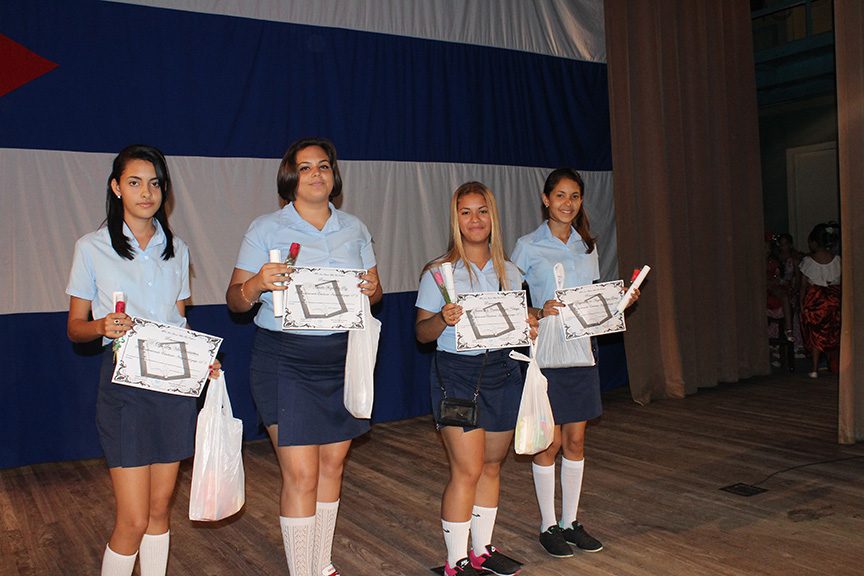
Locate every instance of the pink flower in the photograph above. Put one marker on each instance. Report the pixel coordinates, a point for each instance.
(439, 280)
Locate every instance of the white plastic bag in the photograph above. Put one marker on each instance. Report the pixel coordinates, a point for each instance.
(218, 482)
(359, 392)
(555, 351)
(535, 425)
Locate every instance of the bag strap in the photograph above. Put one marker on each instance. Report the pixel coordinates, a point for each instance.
(480, 379)
(226, 399)
(217, 395)
(482, 368)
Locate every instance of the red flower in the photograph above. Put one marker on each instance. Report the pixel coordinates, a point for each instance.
(292, 254)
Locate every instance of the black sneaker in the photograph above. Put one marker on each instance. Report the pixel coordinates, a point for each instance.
(554, 543)
(581, 539)
(463, 567)
(493, 561)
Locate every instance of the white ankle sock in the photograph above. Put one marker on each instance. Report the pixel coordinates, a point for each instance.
(153, 554)
(456, 540)
(114, 564)
(544, 487)
(482, 525)
(571, 489)
(325, 527)
(297, 537)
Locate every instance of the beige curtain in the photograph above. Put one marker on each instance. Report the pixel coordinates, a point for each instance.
(688, 197)
(849, 50)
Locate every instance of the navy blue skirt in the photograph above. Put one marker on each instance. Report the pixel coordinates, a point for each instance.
(139, 427)
(574, 393)
(500, 387)
(298, 383)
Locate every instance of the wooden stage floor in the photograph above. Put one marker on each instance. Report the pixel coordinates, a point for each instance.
(652, 495)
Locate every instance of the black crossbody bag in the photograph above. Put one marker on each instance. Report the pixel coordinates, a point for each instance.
(459, 411)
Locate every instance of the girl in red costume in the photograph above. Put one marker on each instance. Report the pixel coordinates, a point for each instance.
(820, 296)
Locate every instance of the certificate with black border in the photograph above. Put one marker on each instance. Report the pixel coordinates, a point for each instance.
(165, 358)
(323, 299)
(589, 310)
(493, 320)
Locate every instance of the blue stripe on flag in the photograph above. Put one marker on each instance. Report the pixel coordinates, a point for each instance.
(209, 85)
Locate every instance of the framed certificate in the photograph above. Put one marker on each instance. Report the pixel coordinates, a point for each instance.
(323, 299)
(165, 358)
(590, 310)
(493, 320)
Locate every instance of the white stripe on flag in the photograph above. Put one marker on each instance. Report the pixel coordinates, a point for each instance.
(573, 29)
(51, 198)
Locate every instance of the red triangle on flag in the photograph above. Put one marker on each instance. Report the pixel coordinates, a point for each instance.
(18, 65)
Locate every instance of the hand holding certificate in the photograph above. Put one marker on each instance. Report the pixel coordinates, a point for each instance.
(493, 320)
(597, 309)
(589, 310)
(165, 358)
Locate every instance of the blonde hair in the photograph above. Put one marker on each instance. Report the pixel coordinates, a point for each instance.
(455, 249)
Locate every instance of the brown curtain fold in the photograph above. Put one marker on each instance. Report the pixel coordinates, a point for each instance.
(849, 53)
(688, 197)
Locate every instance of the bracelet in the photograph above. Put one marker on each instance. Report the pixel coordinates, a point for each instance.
(243, 295)
(540, 314)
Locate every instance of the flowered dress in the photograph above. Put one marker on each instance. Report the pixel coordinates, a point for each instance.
(820, 305)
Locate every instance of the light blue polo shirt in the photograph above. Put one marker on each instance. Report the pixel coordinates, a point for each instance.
(152, 285)
(429, 297)
(538, 252)
(344, 242)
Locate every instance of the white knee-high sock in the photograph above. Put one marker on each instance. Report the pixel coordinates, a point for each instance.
(153, 554)
(544, 487)
(325, 527)
(571, 489)
(482, 525)
(456, 540)
(114, 564)
(297, 537)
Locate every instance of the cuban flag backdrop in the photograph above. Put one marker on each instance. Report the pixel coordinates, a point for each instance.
(417, 96)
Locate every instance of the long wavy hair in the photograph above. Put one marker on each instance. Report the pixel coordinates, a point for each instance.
(114, 204)
(455, 248)
(581, 223)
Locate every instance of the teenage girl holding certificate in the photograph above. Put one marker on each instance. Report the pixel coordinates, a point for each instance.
(297, 377)
(574, 393)
(144, 434)
(470, 501)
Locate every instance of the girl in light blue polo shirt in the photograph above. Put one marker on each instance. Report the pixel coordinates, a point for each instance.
(574, 393)
(470, 501)
(298, 377)
(144, 434)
